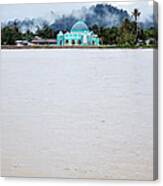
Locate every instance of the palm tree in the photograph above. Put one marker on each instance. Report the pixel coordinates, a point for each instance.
(136, 14)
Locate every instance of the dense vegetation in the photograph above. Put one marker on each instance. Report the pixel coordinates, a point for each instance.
(129, 33)
(9, 34)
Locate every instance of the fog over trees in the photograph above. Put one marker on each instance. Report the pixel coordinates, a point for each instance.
(113, 26)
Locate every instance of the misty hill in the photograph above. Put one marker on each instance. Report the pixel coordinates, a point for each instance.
(102, 15)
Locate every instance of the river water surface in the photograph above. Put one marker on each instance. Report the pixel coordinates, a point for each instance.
(77, 113)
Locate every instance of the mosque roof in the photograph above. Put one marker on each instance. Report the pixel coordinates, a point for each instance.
(60, 33)
(79, 26)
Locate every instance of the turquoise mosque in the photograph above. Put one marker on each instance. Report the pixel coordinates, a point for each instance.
(79, 35)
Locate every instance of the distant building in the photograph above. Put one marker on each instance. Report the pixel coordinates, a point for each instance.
(150, 41)
(79, 36)
(39, 41)
(21, 43)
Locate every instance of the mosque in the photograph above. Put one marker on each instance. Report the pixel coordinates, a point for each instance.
(78, 36)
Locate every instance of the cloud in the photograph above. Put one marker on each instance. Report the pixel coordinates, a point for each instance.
(123, 3)
(150, 3)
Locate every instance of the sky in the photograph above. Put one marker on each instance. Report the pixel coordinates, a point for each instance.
(23, 11)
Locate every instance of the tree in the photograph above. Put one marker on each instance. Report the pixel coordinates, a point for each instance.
(10, 34)
(95, 29)
(28, 36)
(126, 36)
(46, 32)
(136, 14)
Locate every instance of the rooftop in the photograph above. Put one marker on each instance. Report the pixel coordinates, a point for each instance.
(80, 26)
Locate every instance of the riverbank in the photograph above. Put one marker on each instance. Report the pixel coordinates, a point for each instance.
(80, 47)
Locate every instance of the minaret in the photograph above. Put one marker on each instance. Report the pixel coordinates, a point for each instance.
(60, 39)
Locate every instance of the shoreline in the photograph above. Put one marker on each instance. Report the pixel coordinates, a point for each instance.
(74, 47)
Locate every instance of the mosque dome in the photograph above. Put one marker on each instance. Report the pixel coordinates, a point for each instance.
(79, 26)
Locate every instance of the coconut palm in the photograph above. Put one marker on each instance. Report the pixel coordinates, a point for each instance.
(136, 14)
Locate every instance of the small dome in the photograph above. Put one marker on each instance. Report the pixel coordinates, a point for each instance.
(79, 26)
(60, 33)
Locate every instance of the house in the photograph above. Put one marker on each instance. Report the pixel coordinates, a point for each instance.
(21, 43)
(37, 41)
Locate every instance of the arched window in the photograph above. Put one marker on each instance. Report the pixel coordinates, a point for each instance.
(73, 42)
(79, 42)
(66, 41)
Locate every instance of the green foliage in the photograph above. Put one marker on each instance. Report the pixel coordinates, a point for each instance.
(106, 35)
(125, 35)
(46, 32)
(127, 40)
(151, 33)
(27, 36)
(9, 35)
(128, 34)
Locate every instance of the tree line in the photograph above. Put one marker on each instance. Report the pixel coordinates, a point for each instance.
(128, 34)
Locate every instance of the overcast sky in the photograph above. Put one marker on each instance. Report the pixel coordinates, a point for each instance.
(22, 11)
